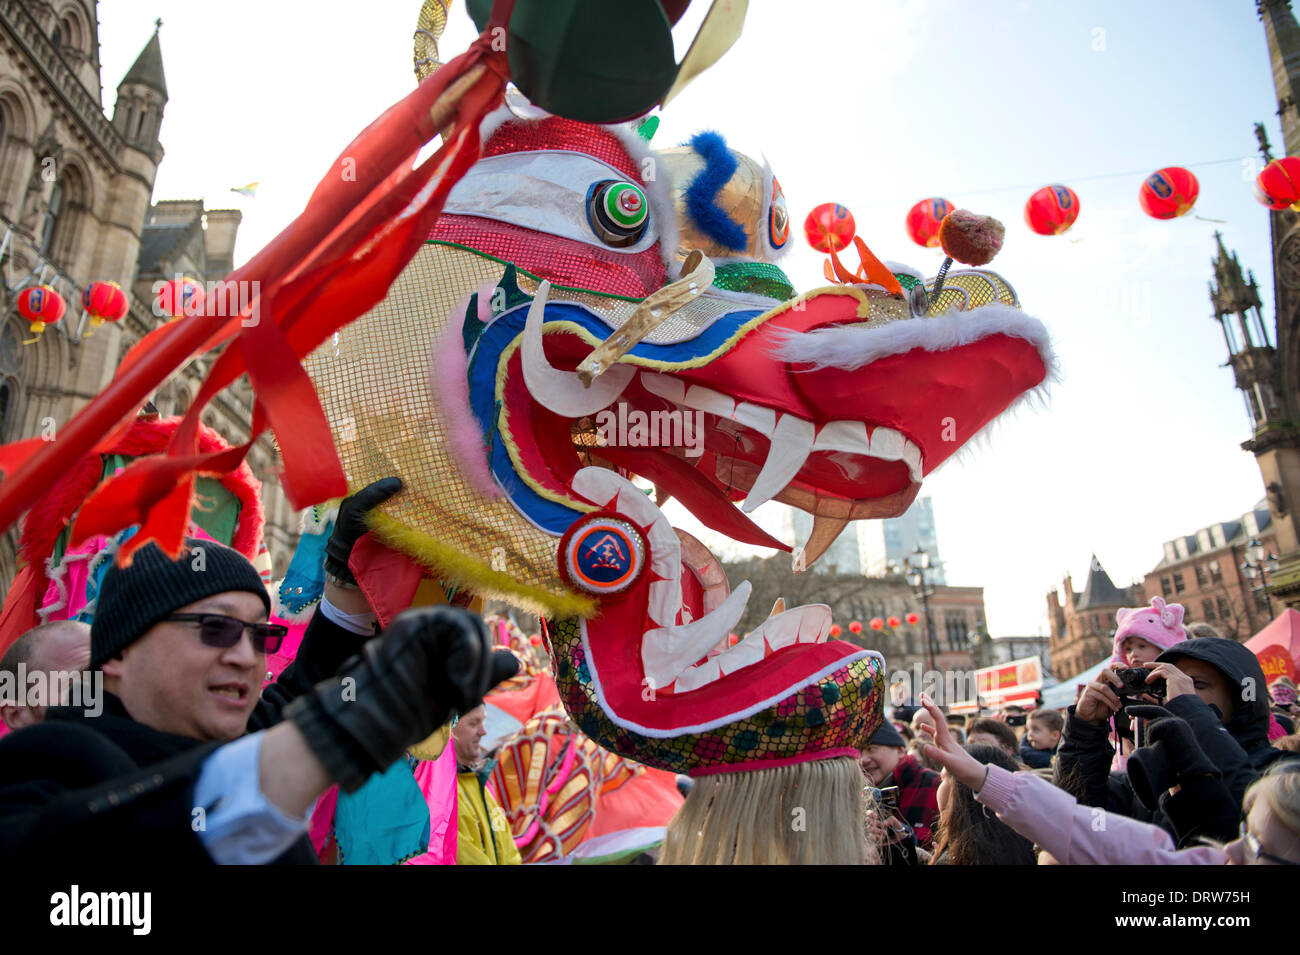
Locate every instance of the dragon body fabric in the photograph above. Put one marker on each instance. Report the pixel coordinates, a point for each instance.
(518, 471)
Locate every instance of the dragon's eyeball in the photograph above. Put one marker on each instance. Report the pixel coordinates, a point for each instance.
(618, 212)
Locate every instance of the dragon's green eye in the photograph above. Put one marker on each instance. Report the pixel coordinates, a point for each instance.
(618, 212)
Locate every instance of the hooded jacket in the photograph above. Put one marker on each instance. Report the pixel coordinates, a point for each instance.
(1238, 747)
(1248, 723)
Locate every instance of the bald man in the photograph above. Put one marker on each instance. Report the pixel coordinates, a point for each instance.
(58, 651)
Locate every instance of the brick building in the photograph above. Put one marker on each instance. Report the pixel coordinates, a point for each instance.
(1083, 624)
(1202, 571)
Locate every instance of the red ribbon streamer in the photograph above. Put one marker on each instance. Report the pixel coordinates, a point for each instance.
(363, 224)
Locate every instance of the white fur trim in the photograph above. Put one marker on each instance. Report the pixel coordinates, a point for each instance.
(853, 347)
(898, 268)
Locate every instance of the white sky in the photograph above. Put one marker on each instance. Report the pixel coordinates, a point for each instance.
(876, 105)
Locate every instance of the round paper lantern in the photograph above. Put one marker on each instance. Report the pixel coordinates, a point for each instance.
(913, 618)
(535, 640)
(180, 297)
(836, 630)
(104, 302)
(877, 623)
(732, 640)
(894, 622)
(1052, 209)
(1278, 184)
(40, 305)
(829, 227)
(923, 220)
(1169, 193)
(855, 626)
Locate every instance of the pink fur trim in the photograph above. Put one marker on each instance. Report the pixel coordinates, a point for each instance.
(449, 395)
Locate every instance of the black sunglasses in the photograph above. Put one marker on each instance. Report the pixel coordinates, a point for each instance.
(216, 630)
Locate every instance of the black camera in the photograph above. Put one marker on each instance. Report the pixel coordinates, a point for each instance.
(1133, 683)
(886, 798)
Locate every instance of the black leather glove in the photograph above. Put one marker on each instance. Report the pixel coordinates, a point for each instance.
(351, 524)
(1169, 754)
(428, 664)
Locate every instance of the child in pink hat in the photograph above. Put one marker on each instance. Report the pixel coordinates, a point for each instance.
(1143, 633)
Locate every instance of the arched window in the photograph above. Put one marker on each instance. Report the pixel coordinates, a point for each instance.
(52, 213)
(68, 200)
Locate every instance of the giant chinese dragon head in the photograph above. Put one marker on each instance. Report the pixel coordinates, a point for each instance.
(520, 462)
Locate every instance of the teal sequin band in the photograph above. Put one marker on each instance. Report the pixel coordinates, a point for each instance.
(754, 278)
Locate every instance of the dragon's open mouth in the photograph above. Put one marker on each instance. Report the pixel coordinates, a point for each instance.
(810, 406)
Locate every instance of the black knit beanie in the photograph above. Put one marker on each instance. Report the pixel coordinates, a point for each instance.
(133, 599)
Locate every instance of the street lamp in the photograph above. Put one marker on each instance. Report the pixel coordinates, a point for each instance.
(1256, 566)
(916, 564)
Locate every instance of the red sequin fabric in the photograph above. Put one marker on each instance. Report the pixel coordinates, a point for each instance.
(562, 261)
(556, 133)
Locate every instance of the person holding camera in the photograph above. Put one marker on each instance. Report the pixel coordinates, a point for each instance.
(887, 763)
(1207, 684)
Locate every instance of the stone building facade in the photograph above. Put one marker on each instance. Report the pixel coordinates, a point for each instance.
(1202, 571)
(76, 206)
(1083, 624)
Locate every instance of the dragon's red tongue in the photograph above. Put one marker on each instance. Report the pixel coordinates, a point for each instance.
(704, 499)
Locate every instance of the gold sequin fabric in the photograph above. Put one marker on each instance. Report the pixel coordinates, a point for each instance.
(373, 382)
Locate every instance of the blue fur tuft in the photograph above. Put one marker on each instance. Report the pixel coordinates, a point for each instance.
(719, 166)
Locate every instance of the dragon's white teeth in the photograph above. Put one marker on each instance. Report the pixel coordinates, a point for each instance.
(792, 441)
(746, 652)
(887, 443)
(692, 678)
(780, 631)
(667, 651)
(814, 623)
(912, 455)
(760, 419)
(848, 436)
(664, 601)
(706, 399)
(665, 386)
(563, 391)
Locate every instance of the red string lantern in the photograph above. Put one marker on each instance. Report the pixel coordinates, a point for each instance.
(829, 227)
(913, 618)
(535, 640)
(1169, 193)
(1278, 184)
(180, 297)
(1052, 210)
(923, 220)
(836, 630)
(894, 622)
(877, 623)
(855, 626)
(104, 302)
(40, 305)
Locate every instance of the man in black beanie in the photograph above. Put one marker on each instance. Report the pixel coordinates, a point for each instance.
(188, 763)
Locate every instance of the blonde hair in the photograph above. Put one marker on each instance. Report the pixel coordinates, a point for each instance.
(1280, 790)
(805, 814)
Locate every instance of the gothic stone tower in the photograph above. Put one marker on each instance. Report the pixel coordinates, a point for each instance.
(1270, 376)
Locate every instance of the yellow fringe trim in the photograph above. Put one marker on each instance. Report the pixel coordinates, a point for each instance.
(432, 747)
(454, 567)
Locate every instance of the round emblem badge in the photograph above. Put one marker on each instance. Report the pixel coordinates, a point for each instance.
(602, 555)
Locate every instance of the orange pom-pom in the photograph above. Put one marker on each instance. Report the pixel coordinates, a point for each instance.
(969, 238)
